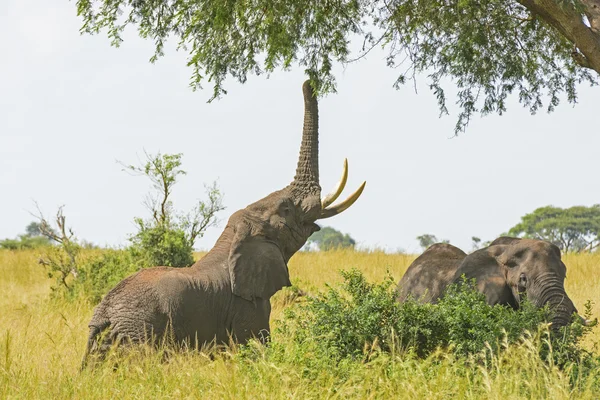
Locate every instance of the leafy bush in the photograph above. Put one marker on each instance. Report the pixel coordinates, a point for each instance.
(33, 238)
(328, 238)
(363, 317)
(99, 274)
(160, 244)
(24, 242)
(168, 237)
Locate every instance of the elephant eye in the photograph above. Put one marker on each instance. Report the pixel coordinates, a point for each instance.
(285, 210)
(522, 280)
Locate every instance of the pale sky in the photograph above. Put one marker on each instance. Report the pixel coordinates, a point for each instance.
(71, 105)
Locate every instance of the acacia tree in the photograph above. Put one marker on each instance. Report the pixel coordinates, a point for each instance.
(572, 229)
(328, 238)
(427, 240)
(539, 49)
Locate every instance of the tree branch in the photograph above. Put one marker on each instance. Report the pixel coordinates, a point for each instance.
(569, 22)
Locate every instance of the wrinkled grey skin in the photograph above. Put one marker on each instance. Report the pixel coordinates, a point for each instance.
(428, 276)
(503, 271)
(226, 293)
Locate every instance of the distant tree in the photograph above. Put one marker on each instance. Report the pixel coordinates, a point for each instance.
(168, 238)
(476, 242)
(33, 229)
(31, 239)
(572, 229)
(427, 240)
(329, 238)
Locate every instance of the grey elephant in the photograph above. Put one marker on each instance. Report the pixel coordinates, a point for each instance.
(226, 293)
(504, 271)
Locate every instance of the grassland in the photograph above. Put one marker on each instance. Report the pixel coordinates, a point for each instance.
(42, 341)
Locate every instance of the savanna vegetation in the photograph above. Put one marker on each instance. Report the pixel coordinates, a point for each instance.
(338, 332)
(329, 238)
(334, 336)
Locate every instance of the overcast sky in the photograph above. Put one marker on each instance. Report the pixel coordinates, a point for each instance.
(71, 105)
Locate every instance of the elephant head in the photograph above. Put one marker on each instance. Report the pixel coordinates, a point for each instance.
(511, 268)
(264, 235)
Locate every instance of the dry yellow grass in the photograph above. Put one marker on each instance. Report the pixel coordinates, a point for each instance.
(42, 341)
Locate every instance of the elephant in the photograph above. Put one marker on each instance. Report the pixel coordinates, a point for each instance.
(504, 272)
(225, 295)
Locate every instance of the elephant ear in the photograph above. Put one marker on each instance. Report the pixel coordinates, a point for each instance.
(489, 274)
(256, 265)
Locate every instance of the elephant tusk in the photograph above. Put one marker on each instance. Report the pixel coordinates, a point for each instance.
(335, 193)
(338, 208)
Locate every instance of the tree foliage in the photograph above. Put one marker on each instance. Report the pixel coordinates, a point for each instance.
(428, 239)
(361, 318)
(168, 237)
(571, 229)
(329, 238)
(31, 239)
(537, 49)
(63, 260)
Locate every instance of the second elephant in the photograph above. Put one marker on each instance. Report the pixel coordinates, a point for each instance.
(505, 271)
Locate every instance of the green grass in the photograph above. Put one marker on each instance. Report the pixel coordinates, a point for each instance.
(42, 341)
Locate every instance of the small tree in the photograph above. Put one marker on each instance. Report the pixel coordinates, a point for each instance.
(34, 229)
(61, 260)
(572, 229)
(31, 239)
(475, 243)
(168, 238)
(426, 240)
(329, 238)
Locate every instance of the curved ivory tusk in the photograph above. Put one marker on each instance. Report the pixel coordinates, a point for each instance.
(335, 193)
(338, 208)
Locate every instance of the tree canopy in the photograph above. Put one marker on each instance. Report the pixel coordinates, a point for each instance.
(31, 239)
(538, 49)
(169, 237)
(329, 238)
(571, 229)
(426, 240)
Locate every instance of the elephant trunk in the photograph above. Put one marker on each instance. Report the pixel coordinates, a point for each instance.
(306, 181)
(560, 304)
(562, 308)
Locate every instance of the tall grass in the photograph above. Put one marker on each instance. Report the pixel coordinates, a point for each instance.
(42, 341)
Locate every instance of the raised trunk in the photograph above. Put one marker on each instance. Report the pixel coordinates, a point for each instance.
(306, 180)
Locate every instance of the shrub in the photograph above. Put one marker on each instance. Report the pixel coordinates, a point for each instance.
(99, 274)
(24, 242)
(168, 237)
(363, 317)
(159, 244)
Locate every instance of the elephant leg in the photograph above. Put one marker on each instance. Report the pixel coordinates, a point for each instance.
(251, 320)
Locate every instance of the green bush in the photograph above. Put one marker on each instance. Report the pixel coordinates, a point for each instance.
(99, 274)
(25, 242)
(364, 317)
(159, 244)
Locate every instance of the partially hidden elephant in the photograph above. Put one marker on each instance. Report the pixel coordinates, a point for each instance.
(505, 271)
(225, 295)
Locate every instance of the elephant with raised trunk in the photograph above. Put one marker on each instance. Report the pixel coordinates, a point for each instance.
(505, 271)
(226, 293)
